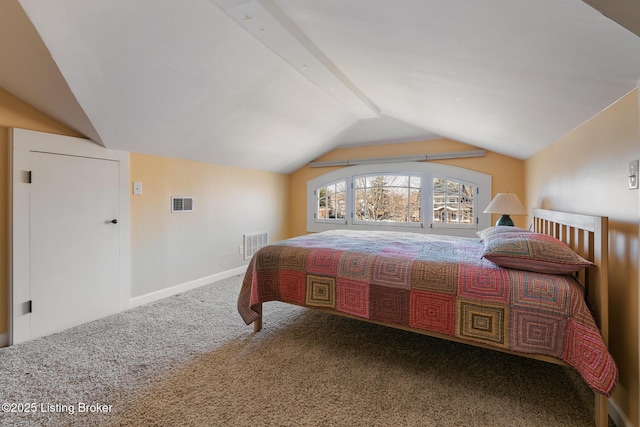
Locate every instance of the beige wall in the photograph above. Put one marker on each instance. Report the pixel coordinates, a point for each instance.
(169, 249)
(587, 172)
(507, 172)
(15, 113)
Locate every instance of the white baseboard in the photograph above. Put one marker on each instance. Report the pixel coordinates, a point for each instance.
(617, 416)
(4, 340)
(183, 287)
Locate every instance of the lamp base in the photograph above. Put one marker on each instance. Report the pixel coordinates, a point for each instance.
(505, 220)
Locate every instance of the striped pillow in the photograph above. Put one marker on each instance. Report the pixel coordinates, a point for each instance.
(533, 252)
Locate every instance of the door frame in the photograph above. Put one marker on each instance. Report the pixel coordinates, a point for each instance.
(21, 143)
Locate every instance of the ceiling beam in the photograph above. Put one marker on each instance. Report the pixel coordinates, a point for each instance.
(275, 29)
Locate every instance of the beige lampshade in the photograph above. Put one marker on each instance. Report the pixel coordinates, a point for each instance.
(506, 204)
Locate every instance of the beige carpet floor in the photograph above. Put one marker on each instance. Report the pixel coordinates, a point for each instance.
(189, 360)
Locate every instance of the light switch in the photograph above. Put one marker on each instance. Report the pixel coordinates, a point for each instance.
(137, 187)
(633, 174)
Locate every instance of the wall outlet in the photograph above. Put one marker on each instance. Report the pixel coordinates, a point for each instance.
(633, 174)
(240, 250)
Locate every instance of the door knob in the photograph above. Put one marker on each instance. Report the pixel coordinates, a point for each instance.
(114, 221)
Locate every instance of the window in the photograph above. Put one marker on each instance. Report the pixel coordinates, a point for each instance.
(420, 196)
(331, 202)
(453, 202)
(388, 198)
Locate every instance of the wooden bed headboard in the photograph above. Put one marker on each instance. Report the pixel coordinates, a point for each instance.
(588, 236)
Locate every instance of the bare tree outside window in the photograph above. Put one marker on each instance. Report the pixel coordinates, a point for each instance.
(388, 198)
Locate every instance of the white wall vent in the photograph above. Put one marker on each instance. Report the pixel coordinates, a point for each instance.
(181, 204)
(254, 241)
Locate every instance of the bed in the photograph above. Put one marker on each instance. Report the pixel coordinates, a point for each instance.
(540, 294)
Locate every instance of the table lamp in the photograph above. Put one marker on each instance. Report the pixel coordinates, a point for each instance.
(505, 204)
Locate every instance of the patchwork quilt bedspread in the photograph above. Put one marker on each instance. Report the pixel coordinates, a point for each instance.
(435, 283)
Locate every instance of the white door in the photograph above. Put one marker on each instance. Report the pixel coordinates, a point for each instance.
(74, 241)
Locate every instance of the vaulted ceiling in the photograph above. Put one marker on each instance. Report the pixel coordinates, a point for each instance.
(272, 84)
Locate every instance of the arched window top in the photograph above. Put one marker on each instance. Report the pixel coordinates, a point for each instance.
(421, 197)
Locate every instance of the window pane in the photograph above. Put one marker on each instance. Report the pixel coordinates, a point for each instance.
(361, 204)
(466, 204)
(414, 207)
(452, 202)
(397, 205)
(387, 198)
(453, 187)
(322, 193)
(453, 208)
(439, 214)
(331, 201)
(322, 203)
(341, 204)
(399, 181)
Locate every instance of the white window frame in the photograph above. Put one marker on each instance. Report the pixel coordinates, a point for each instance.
(427, 172)
(369, 223)
(331, 220)
(473, 226)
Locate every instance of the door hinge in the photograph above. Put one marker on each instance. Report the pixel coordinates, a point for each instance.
(29, 177)
(30, 306)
